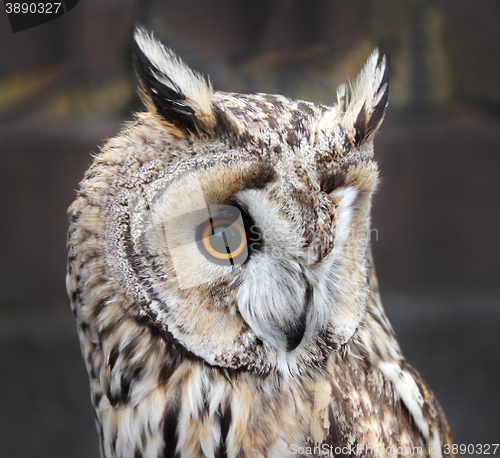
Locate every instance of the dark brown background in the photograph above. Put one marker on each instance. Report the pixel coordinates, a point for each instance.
(68, 84)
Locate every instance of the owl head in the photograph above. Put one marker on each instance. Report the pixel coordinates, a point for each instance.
(238, 225)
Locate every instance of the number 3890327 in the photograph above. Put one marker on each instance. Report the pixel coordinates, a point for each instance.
(27, 8)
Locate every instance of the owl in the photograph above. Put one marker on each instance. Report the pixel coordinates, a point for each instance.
(221, 276)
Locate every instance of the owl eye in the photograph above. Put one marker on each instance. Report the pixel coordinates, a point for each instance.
(222, 241)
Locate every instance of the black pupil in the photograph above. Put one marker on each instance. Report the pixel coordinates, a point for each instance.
(225, 238)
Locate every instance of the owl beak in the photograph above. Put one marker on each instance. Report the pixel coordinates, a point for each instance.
(295, 331)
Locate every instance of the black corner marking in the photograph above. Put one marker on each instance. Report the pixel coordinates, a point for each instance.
(70, 4)
(27, 14)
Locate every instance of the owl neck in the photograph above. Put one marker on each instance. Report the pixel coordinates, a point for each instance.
(375, 340)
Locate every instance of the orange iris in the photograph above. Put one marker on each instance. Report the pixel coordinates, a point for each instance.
(223, 239)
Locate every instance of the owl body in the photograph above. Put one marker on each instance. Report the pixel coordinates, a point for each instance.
(221, 277)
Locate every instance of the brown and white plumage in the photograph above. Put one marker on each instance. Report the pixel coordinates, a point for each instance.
(271, 354)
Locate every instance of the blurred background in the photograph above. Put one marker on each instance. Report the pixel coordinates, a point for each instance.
(67, 85)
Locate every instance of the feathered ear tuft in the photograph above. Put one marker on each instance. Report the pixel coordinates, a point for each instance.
(361, 106)
(179, 97)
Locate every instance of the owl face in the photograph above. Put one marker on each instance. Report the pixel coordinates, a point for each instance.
(239, 226)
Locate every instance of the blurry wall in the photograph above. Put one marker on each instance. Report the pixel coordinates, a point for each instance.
(68, 84)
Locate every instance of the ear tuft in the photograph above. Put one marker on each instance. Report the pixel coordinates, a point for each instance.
(365, 103)
(361, 107)
(179, 97)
